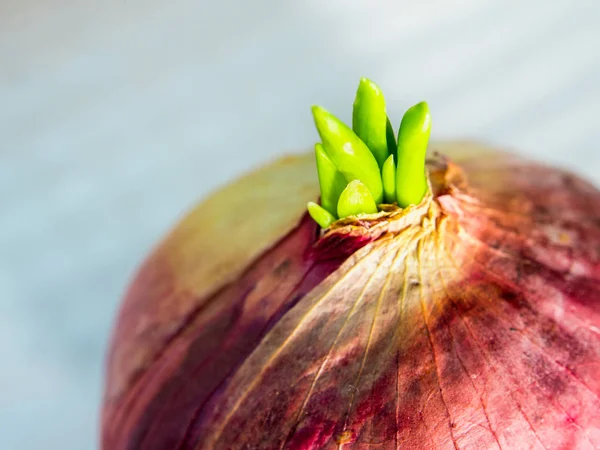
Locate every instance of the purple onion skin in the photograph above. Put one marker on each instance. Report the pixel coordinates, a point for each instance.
(470, 321)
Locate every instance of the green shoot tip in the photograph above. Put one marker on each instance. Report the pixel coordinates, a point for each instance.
(320, 215)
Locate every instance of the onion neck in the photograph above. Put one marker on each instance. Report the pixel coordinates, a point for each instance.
(346, 236)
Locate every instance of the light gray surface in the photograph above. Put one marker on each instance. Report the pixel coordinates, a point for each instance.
(116, 116)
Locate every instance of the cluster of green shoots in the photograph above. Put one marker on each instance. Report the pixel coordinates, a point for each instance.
(366, 166)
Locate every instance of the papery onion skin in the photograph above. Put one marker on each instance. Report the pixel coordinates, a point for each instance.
(469, 321)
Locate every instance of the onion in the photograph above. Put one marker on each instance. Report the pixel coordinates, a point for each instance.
(468, 321)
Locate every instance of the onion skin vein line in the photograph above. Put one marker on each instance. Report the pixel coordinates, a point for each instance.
(430, 340)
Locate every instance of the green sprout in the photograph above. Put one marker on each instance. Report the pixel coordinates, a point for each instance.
(388, 176)
(356, 199)
(320, 215)
(348, 153)
(331, 181)
(369, 119)
(362, 167)
(413, 136)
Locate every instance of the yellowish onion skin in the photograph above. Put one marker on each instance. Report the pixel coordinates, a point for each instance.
(470, 321)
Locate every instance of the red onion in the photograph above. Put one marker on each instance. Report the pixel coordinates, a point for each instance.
(468, 321)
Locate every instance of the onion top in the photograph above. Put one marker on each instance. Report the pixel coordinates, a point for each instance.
(367, 158)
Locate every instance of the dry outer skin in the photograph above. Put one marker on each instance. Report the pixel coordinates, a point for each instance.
(471, 321)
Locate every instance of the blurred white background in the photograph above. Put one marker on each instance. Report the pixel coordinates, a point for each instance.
(117, 115)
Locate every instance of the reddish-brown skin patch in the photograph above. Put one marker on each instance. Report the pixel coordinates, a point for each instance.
(479, 328)
(207, 347)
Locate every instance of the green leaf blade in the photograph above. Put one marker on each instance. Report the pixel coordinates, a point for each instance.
(348, 152)
(413, 137)
(369, 119)
(356, 199)
(331, 181)
(388, 175)
(320, 215)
